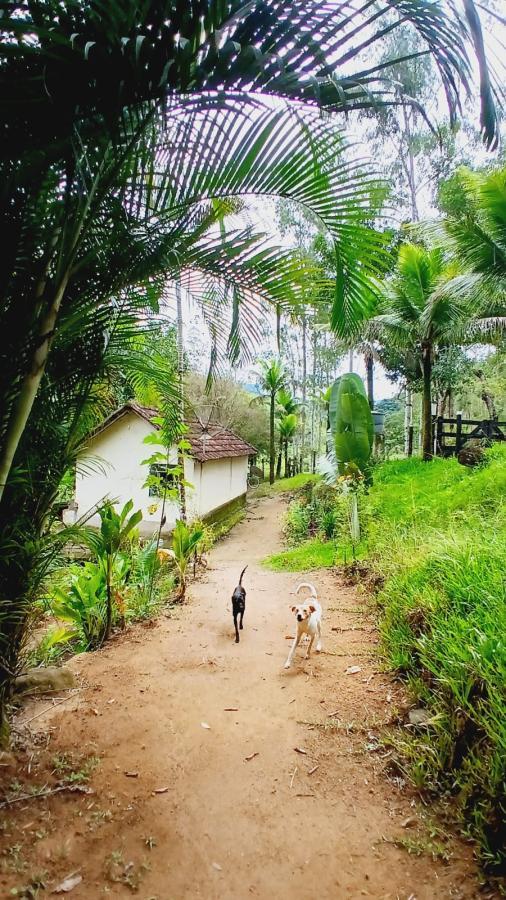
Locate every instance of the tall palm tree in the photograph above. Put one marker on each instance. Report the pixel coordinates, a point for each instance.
(286, 413)
(272, 380)
(477, 238)
(287, 428)
(423, 311)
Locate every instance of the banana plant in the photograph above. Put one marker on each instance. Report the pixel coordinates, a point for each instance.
(351, 423)
(185, 539)
(352, 428)
(115, 528)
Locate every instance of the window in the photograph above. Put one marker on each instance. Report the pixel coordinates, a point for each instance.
(161, 476)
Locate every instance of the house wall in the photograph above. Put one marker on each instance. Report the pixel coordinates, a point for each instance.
(218, 481)
(119, 450)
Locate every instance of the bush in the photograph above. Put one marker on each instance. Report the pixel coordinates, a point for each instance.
(320, 511)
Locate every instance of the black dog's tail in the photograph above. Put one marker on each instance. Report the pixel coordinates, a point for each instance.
(242, 573)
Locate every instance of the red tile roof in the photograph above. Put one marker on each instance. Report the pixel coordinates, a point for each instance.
(212, 441)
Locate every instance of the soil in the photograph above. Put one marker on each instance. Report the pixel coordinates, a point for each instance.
(219, 773)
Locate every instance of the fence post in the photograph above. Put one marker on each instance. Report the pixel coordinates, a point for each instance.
(458, 434)
(439, 436)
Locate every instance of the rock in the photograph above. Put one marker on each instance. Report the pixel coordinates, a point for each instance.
(42, 680)
(418, 716)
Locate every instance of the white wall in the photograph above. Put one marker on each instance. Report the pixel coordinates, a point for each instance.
(120, 450)
(219, 481)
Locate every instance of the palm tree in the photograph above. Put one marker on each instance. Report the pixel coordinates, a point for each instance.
(287, 409)
(425, 309)
(287, 428)
(272, 380)
(477, 238)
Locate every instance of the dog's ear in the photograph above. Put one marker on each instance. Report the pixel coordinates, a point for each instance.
(293, 608)
(312, 608)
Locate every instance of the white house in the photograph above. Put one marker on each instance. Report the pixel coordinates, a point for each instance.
(216, 467)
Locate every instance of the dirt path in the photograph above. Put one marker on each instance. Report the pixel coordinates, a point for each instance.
(279, 825)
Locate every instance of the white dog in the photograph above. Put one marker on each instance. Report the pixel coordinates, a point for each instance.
(309, 618)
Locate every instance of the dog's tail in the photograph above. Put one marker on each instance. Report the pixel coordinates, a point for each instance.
(311, 587)
(242, 573)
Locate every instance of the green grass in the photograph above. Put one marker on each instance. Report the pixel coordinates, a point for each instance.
(436, 534)
(284, 485)
(314, 554)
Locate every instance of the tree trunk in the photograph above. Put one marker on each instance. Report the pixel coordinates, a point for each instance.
(350, 360)
(369, 367)
(278, 328)
(108, 615)
(313, 388)
(30, 385)
(408, 422)
(286, 459)
(180, 376)
(409, 168)
(271, 439)
(304, 393)
(486, 396)
(280, 457)
(427, 402)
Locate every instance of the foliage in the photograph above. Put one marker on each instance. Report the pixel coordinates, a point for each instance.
(227, 402)
(476, 235)
(53, 644)
(77, 593)
(427, 309)
(83, 604)
(435, 535)
(149, 586)
(185, 541)
(272, 380)
(351, 422)
(321, 512)
(115, 529)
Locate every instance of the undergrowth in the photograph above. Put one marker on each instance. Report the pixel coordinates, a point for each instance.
(436, 534)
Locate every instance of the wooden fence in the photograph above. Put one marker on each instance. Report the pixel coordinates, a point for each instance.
(450, 435)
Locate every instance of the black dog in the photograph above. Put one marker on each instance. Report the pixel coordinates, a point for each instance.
(239, 604)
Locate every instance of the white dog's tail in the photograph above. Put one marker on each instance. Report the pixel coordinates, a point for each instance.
(307, 585)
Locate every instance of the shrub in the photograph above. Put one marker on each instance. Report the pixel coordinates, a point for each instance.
(84, 605)
(54, 644)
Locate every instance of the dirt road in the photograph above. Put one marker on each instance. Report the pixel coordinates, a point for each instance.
(180, 810)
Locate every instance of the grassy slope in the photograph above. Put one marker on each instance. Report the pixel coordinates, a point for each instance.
(437, 534)
(283, 485)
